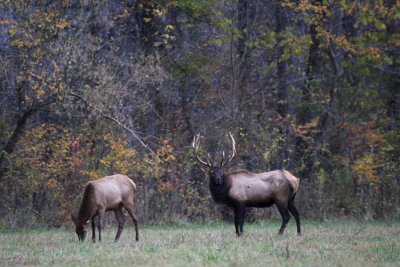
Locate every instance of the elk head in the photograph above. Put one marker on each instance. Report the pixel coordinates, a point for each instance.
(216, 173)
(80, 227)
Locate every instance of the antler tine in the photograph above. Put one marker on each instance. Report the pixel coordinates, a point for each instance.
(196, 145)
(223, 159)
(233, 146)
(230, 157)
(209, 159)
(196, 142)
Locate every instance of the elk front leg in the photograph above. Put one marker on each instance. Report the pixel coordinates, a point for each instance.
(242, 211)
(239, 211)
(94, 229)
(101, 222)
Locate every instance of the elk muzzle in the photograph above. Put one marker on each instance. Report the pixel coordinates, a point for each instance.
(81, 233)
(217, 175)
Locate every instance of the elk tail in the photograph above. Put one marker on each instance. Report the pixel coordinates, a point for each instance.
(293, 180)
(133, 183)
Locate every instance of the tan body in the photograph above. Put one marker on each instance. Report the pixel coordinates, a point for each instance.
(113, 191)
(110, 193)
(261, 188)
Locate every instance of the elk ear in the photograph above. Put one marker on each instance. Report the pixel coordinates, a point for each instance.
(87, 220)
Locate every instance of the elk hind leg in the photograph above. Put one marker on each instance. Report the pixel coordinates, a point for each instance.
(283, 210)
(292, 208)
(121, 222)
(130, 210)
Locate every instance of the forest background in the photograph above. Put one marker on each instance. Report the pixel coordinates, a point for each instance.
(92, 88)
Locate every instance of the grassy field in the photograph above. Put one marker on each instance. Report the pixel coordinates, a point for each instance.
(339, 243)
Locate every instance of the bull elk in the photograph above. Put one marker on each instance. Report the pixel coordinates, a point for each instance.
(240, 189)
(110, 193)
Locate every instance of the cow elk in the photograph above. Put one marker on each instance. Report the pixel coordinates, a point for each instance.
(110, 193)
(240, 189)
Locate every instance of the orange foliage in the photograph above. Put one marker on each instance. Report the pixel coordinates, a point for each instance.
(165, 153)
(306, 130)
(52, 159)
(368, 166)
(166, 187)
(372, 14)
(364, 142)
(52, 183)
(361, 134)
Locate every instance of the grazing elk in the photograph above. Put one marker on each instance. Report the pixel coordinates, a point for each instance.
(110, 193)
(240, 189)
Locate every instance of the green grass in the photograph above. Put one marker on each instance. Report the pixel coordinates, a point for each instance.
(332, 243)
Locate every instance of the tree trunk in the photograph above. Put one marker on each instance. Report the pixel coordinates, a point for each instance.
(393, 108)
(12, 142)
(282, 21)
(291, 75)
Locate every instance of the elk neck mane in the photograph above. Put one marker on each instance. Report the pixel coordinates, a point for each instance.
(239, 172)
(88, 200)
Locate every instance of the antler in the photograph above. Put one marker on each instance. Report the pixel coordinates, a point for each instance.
(196, 145)
(230, 157)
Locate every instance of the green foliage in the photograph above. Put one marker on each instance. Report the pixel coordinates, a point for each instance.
(292, 44)
(197, 9)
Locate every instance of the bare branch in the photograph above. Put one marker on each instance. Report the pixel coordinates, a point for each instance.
(131, 131)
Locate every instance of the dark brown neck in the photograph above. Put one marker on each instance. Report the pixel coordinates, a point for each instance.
(87, 207)
(219, 193)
